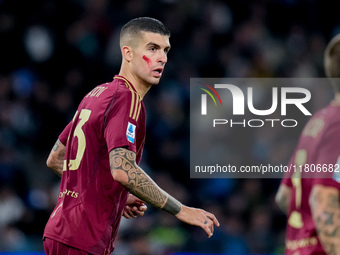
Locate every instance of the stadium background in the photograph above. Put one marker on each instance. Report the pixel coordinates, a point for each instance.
(53, 52)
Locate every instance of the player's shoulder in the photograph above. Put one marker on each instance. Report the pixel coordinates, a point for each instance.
(330, 112)
(125, 99)
(124, 87)
(331, 117)
(98, 90)
(127, 95)
(327, 116)
(116, 87)
(332, 180)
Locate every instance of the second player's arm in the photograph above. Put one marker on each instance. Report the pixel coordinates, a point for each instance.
(282, 197)
(325, 207)
(125, 170)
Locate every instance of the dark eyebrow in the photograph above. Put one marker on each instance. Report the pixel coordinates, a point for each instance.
(153, 44)
(157, 46)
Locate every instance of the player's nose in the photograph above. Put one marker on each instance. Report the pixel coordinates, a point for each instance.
(162, 58)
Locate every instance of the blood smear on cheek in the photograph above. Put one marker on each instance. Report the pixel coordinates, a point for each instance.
(147, 59)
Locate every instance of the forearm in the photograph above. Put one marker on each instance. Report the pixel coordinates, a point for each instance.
(325, 207)
(55, 160)
(282, 198)
(57, 168)
(136, 181)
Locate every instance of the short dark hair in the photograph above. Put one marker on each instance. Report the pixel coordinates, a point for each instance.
(144, 24)
(332, 61)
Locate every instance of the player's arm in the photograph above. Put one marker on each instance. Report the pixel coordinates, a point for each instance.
(282, 197)
(55, 160)
(325, 208)
(125, 170)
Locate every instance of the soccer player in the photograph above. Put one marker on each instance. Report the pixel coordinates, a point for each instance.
(311, 200)
(98, 153)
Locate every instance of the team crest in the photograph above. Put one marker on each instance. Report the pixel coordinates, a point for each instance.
(131, 132)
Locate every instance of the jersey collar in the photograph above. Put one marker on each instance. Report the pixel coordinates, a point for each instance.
(128, 84)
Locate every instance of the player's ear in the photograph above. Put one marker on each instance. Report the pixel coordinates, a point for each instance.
(127, 53)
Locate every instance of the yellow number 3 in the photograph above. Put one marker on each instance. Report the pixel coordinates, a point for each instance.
(79, 133)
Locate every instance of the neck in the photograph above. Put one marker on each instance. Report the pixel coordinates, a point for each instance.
(141, 87)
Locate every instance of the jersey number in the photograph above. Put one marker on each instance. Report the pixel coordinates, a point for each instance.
(79, 133)
(295, 219)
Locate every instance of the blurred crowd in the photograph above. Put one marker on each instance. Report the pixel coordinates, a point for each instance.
(53, 52)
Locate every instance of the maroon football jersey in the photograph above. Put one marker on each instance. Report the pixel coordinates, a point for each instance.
(318, 151)
(91, 202)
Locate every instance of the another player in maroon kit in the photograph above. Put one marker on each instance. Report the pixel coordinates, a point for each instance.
(98, 153)
(311, 199)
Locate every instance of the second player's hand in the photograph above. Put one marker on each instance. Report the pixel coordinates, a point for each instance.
(198, 217)
(134, 211)
(134, 207)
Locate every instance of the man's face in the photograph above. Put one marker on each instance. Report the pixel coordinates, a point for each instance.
(150, 56)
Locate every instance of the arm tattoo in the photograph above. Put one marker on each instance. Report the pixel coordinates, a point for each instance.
(333, 201)
(139, 183)
(327, 221)
(56, 145)
(55, 160)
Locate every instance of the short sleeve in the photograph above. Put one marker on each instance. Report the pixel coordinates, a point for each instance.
(329, 157)
(287, 181)
(64, 135)
(119, 128)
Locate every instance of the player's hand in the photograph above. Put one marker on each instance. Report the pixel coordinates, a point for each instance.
(134, 207)
(198, 217)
